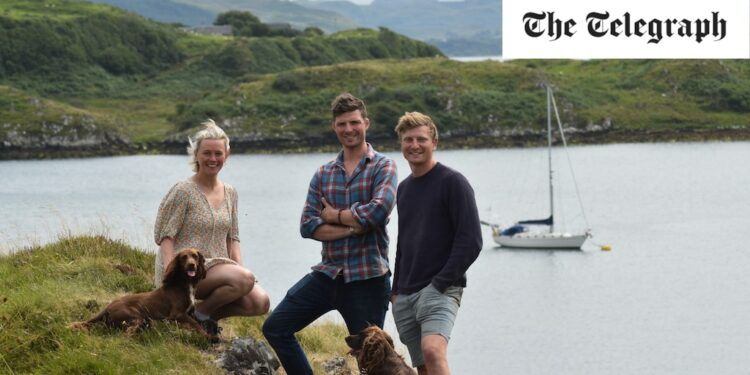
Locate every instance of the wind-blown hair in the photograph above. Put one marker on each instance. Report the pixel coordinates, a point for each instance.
(411, 120)
(345, 103)
(211, 131)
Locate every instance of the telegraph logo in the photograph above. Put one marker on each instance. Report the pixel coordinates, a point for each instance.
(601, 25)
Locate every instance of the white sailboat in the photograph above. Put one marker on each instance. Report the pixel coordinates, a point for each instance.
(524, 234)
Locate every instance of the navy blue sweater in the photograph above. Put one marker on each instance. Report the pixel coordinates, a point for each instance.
(439, 235)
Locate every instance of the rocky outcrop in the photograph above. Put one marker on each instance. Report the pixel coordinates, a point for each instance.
(78, 137)
(66, 136)
(337, 366)
(248, 356)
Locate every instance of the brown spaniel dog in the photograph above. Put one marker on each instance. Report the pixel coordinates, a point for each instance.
(172, 301)
(376, 354)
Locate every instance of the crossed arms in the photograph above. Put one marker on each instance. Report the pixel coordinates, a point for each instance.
(324, 219)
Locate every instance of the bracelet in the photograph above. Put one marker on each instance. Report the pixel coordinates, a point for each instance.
(340, 217)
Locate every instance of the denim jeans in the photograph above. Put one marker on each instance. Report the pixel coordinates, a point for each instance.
(360, 303)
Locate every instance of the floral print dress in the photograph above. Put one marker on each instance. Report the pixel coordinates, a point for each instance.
(186, 216)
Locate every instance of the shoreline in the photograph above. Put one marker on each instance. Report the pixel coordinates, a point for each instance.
(385, 143)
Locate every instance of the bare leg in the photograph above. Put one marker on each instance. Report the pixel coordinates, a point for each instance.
(252, 304)
(224, 285)
(435, 351)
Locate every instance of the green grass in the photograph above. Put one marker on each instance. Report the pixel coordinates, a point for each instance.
(43, 289)
(488, 95)
(52, 9)
(478, 98)
(141, 119)
(197, 45)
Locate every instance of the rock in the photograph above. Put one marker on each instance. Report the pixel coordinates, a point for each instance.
(336, 366)
(248, 356)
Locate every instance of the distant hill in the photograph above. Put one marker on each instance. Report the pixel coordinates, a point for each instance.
(167, 11)
(273, 11)
(458, 28)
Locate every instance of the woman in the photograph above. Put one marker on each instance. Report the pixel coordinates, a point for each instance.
(201, 212)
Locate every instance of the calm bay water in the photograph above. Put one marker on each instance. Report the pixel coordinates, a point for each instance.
(670, 298)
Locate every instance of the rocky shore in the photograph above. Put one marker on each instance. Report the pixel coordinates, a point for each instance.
(107, 144)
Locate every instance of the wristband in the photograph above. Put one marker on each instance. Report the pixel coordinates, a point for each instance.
(339, 217)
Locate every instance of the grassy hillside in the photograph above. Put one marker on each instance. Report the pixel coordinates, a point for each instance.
(78, 48)
(493, 100)
(43, 289)
(476, 104)
(132, 76)
(81, 79)
(49, 9)
(654, 94)
(77, 37)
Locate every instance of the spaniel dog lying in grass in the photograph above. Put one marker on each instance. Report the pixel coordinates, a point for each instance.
(376, 354)
(172, 301)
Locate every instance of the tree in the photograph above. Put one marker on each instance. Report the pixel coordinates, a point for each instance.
(243, 23)
(312, 31)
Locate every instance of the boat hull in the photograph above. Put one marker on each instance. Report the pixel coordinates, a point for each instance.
(542, 240)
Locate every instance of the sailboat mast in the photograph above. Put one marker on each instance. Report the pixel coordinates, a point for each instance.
(549, 158)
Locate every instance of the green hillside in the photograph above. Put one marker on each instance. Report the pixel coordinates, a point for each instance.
(60, 37)
(493, 103)
(654, 94)
(90, 79)
(45, 288)
(131, 78)
(50, 9)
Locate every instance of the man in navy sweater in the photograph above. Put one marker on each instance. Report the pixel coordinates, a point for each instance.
(439, 237)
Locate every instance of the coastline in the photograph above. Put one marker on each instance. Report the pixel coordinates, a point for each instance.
(468, 140)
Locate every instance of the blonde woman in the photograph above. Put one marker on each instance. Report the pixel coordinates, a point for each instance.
(201, 212)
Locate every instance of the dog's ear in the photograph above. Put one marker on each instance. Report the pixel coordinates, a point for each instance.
(374, 350)
(354, 341)
(171, 274)
(201, 266)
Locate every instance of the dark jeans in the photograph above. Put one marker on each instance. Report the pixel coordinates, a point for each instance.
(360, 303)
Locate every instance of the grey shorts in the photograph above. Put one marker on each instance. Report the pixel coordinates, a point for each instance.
(426, 312)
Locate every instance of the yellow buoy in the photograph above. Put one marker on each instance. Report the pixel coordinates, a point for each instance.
(606, 247)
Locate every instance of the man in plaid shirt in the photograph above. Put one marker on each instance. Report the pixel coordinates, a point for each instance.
(347, 208)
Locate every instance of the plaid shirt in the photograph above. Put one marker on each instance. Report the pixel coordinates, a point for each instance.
(370, 193)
